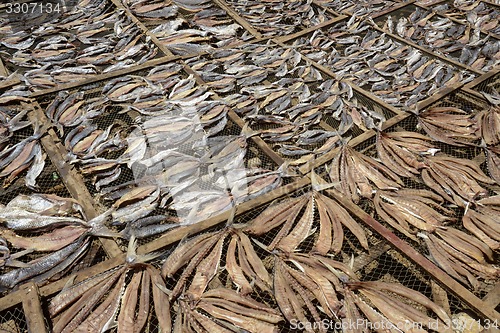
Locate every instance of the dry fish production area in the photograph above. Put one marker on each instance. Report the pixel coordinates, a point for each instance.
(249, 166)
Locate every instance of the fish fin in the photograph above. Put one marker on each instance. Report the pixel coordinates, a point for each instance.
(16, 263)
(284, 170)
(163, 289)
(98, 228)
(247, 131)
(131, 246)
(19, 254)
(69, 283)
(317, 186)
(261, 245)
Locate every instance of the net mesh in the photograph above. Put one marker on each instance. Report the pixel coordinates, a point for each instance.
(13, 320)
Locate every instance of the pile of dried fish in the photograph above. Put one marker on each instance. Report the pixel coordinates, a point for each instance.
(446, 37)
(409, 210)
(358, 9)
(286, 113)
(397, 73)
(482, 221)
(400, 151)
(452, 182)
(24, 155)
(209, 27)
(116, 298)
(478, 14)
(332, 219)
(88, 40)
(358, 176)
(307, 287)
(450, 125)
(174, 150)
(274, 18)
(55, 228)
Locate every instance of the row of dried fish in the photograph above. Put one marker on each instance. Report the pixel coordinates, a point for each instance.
(358, 8)
(312, 286)
(452, 182)
(88, 40)
(287, 111)
(48, 225)
(210, 27)
(275, 18)
(478, 14)
(22, 155)
(442, 35)
(174, 150)
(121, 298)
(397, 73)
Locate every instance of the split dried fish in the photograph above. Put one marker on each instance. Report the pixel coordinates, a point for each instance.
(411, 211)
(357, 175)
(450, 125)
(456, 180)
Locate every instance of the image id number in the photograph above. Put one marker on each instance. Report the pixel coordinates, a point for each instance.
(32, 7)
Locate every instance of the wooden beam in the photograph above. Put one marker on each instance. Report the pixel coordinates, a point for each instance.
(10, 81)
(32, 308)
(477, 81)
(366, 258)
(257, 140)
(71, 178)
(436, 97)
(177, 234)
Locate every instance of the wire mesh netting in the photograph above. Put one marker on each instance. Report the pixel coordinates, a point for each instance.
(87, 39)
(13, 320)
